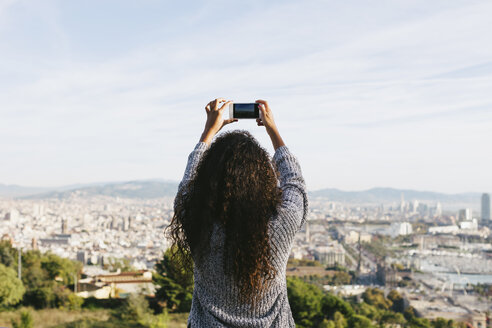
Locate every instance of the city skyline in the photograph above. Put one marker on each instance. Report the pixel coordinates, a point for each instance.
(81, 185)
(365, 95)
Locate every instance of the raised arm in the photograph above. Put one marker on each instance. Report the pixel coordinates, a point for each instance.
(266, 119)
(214, 123)
(294, 196)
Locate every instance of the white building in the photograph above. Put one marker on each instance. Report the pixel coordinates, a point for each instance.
(469, 225)
(400, 228)
(465, 214)
(450, 229)
(12, 216)
(330, 255)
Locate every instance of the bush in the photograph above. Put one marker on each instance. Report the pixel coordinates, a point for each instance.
(11, 288)
(75, 302)
(25, 321)
(40, 297)
(136, 312)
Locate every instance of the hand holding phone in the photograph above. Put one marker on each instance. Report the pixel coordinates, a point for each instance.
(266, 120)
(215, 121)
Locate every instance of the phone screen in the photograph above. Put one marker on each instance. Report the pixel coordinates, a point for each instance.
(246, 110)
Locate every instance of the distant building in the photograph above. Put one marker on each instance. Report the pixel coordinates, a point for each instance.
(82, 257)
(469, 225)
(352, 237)
(465, 214)
(124, 283)
(438, 210)
(449, 229)
(436, 241)
(330, 255)
(58, 239)
(86, 290)
(401, 228)
(12, 216)
(38, 210)
(34, 244)
(423, 209)
(485, 208)
(64, 226)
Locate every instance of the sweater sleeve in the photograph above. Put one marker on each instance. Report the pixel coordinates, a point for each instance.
(294, 197)
(193, 160)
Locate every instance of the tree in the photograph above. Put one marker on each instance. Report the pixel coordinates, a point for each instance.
(40, 297)
(171, 267)
(326, 324)
(46, 277)
(442, 323)
(341, 278)
(332, 304)
(59, 267)
(176, 283)
(11, 288)
(305, 302)
(358, 321)
(339, 320)
(369, 311)
(390, 317)
(33, 275)
(397, 300)
(375, 297)
(7, 254)
(415, 322)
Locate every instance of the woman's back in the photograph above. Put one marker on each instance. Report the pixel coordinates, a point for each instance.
(219, 293)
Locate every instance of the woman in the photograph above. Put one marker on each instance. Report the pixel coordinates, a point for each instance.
(238, 223)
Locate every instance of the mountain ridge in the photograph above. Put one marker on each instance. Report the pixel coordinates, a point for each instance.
(387, 194)
(155, 188)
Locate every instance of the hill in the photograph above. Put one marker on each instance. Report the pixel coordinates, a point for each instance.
(387, 195)
(19, 191)
(149, 189)
(145, 189)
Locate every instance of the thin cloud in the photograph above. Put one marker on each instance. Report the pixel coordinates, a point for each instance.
(331, 70)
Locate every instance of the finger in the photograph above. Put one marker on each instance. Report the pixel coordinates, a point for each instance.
(231, 120)
(217, 101)
(225, 105)
(264, 102)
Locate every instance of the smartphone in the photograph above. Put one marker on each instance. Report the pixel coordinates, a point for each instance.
(250, 110)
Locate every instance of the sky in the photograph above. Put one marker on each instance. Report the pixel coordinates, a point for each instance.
(365, 93)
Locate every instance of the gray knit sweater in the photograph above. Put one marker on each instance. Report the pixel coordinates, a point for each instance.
(215, 297)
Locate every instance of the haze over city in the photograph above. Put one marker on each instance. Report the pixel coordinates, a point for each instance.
(387, 94)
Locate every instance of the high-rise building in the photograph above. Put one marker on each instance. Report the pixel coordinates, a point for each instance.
(485, 208)
(34, 244)
(64, 226)
(13, 215)
(82, 257)
(465, 214)
(438, 209)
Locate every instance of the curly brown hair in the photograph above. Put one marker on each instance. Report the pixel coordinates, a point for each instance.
(235, 186)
